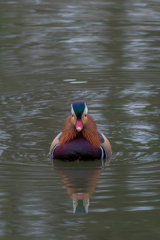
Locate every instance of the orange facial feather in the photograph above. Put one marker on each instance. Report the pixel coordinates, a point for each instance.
(69, 131)
(89, 131)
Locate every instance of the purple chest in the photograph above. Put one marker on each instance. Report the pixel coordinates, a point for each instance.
(77, 149)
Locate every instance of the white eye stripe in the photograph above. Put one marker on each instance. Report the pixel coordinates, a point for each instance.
(85, 110)
(72, 111)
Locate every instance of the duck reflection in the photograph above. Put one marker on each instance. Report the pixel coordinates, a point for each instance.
(80, 179)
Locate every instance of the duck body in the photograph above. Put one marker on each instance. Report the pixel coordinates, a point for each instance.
(77, 149)
(80, 139)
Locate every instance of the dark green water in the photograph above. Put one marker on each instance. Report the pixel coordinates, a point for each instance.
(106, 53)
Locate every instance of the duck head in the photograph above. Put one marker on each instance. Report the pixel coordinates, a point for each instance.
(80, 122)
(79, 112)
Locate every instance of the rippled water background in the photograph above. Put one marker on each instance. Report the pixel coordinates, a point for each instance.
(108, 54)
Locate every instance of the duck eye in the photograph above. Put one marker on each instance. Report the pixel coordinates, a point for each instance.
(85, 115)
(72, 116)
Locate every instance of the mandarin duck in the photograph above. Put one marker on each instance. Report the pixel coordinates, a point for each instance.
(80, 139)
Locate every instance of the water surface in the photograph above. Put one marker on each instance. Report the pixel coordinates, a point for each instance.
(106, 53)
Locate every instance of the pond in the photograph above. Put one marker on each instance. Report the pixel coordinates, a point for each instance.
(106, 53)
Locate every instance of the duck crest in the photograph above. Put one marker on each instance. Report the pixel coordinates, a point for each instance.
(89, 132)
(78, 107)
